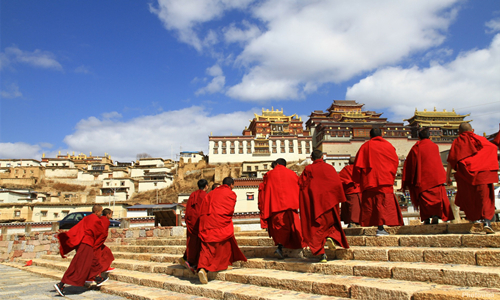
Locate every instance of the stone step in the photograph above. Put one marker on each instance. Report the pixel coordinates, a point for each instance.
(285, 283)
(469, 256)
(216, 289)
(460, 275)
(433, 240)
(443, 228)
(127, 290)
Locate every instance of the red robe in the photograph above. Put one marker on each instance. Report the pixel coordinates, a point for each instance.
(476, 162)
(496, 140)
(375, 170)
(351, 209)
(320, 193)
(82, 237)
(216, 231)
(105, 255)
(424, 176)
(260, 203)
(192, 217)
(280, 207)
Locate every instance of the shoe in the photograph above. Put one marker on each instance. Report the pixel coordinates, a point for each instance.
(202, 275)
(99, 280)
(382, 232)
(109, 270)
(186, 265)
(435, 220)
(279, 253)
(487, 227)
(60, 289)
(331, 243)
(323, 258)
(427, 222)
(229, 268)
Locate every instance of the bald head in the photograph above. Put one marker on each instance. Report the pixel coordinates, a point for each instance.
(464, 127)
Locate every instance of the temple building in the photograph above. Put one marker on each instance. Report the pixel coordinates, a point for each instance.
(345, 126)
(269, 136)
(443, 124)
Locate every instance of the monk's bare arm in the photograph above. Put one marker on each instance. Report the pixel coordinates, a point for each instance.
(448, 174)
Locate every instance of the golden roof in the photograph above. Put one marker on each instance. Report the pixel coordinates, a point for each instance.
(276, 115)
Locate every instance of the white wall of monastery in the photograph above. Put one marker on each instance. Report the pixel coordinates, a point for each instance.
(61, 173)
(245, 156)
(244, 205)
(147, 185)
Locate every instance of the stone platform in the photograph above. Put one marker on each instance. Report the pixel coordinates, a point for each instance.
(445, 261)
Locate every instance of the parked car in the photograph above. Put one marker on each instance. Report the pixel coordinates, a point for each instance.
(73, 218)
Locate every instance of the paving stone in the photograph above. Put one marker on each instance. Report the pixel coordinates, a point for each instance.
(478, 241)
(447, 240)
(488, 258)
(450, 256)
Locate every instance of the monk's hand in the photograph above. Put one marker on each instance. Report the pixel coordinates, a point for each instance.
(448, 181)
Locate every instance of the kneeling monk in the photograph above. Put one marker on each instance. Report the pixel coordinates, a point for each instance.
(320, 194)
(218, 245)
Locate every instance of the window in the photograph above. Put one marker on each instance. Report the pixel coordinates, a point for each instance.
(17, 213)
(156, 183)
(249, 168)
(265, 166)
(65, 212)
(56, 215)
(250, 196)
(43, 213)
(122, 183)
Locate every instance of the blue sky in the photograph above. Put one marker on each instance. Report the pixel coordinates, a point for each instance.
(128, 77)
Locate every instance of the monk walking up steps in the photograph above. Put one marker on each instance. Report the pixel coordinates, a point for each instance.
(475, 161)
(84, 265)
(351, 209)
(320, 194)
(375, 170)
(192, 216)
(103, 252)
(218, 245)
(424, 176)
(280, 207)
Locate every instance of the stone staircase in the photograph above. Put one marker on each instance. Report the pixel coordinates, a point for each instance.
(445, 261)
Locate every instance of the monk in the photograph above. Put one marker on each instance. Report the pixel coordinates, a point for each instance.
(424, 176)
(260, 203)
(84, 264)
(218, 245)
(475, 161)
(351, 209)
(103, 252)
(280, 209)
(375, 170)
(192, 218)
(320, 194)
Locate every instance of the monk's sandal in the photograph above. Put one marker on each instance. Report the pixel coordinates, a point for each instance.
(60, 288)
(323, 258)
(202, 275)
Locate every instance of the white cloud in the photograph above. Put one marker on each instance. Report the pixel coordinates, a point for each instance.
(20, 150)
(290, 48)
(183, 16)
(233, 34)
(217, 83)
(470, 84)
(82, 69)
(11, 92)
(156, 135)
(37, 58)
(493, 25)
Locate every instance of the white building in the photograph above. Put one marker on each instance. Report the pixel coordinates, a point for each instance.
(116, 189)
(192, 156)
(11, 163)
